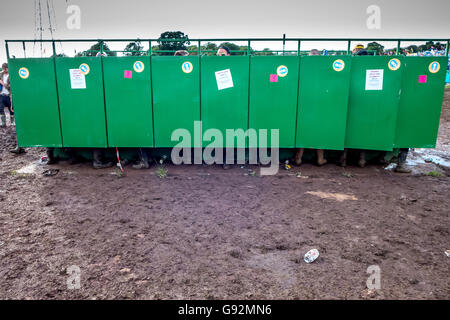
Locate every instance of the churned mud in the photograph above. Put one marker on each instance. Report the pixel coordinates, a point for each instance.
(208, 233)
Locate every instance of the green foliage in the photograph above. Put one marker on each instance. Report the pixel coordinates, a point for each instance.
(119, 173)
(209, 46)
(155, 48)
(59, 55)
(378, 48)
(347, 174)
(435, 174)
(210, 49)
(411, 48)
(172, 46)
(265, 52)
(134, 46)
(94, 49)
(193, 50)
(162, 172)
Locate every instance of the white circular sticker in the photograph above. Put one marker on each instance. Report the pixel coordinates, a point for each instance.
(138, 66)
(84, 68)
(338, 65)
(187, 67)
(24, 73)
(394, 64)
(434, 67)
(282, 71)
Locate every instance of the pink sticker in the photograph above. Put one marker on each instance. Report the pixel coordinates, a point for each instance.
(128, 74)
(422, 79)
(273, 78)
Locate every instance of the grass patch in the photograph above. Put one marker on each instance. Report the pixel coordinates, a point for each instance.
(119, 173)
(435, 174)
(162, 172)
(347, 174)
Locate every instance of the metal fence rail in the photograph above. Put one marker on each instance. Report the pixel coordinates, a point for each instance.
(249, 51)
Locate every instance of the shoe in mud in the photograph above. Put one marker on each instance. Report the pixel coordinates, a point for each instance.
(73, 160)
(125, 162)
(141, 165)
(51, 159)
(362, 163)
(402, 169)
(17, 150)
(99, 165)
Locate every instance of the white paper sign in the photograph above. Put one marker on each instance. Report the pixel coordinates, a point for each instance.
(224, 79)
(77, 79)
(374, 79)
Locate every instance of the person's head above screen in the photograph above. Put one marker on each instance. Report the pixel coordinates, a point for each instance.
(181, 53)
(357, 48)
(223, 51)
(314, 52)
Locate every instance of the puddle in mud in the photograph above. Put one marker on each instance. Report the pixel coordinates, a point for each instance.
(31, 168)
(422, 161)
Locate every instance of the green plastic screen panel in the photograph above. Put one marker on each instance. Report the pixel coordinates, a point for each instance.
(224, 94)
(373, 103)
(35, 102)
(128, 101)
(176, 97)
(81, 102)
(273, 97)
(323, 100)
(420, 102)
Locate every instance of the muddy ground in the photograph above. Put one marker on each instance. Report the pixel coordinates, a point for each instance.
(206, 233)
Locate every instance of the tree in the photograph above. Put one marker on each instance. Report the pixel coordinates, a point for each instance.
(155, 48)
(134, 49)
(94, 49)
(209, 46)
(193, 50)
(243, 50)
(59, 55)
(171, 46)
(265, 52)
(375, 46)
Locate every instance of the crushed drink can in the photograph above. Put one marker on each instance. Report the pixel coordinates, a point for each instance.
(311, 255)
